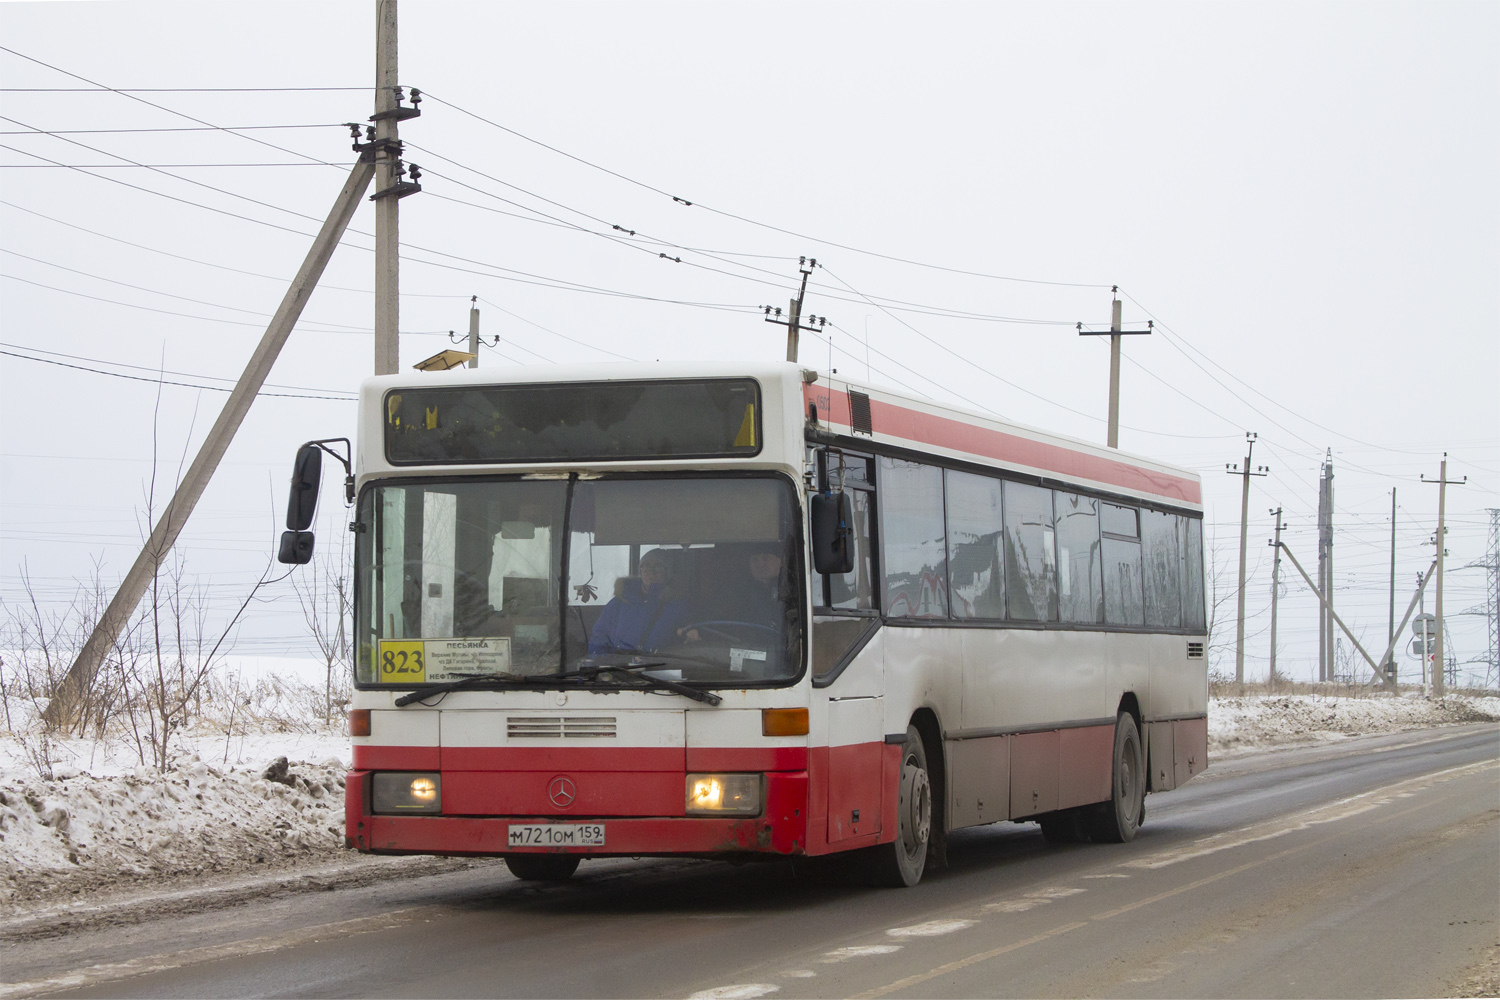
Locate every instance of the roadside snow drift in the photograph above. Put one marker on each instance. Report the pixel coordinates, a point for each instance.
(84, 830)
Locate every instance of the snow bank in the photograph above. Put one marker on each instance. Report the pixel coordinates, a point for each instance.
(84, 831)
(1263, 721)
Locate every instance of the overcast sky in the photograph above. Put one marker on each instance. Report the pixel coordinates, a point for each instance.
(1302, 196)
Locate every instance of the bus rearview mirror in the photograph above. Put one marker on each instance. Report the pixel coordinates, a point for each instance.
(832, 533)
(296, 548)
(306, 476)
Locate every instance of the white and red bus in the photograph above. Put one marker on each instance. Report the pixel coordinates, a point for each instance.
(752, 611)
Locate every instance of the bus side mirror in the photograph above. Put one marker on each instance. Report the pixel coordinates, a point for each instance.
(307, 474)
(296, 548)
(832, 533)
(297, 542)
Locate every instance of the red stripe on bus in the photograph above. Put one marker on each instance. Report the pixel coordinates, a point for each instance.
(747, 758)
(368, 758)
(943, 432)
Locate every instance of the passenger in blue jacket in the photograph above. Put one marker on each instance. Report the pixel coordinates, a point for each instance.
(645, 612)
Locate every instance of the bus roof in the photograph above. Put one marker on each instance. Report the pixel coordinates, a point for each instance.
(895, 419)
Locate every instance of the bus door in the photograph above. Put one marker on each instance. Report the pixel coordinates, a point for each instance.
(846, 621)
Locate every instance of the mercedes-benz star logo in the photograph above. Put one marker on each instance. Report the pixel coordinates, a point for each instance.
(562, 791)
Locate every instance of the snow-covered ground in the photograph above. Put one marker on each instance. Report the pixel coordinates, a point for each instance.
(103, 821)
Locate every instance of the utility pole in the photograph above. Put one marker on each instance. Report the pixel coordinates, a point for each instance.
(793, 322)
(1443, 482)
(1239, 627)
(1115, 333)
(1390, 664)
(1325, 569)
(66, 697)
(390, 188)
(1275, 593)
(474, 330)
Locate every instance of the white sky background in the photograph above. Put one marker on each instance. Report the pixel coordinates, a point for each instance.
(1303, 193)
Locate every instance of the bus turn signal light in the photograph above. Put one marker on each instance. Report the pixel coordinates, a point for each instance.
(359, 722)
(783, 722)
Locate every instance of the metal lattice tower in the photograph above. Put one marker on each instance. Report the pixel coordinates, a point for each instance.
(1491, 607)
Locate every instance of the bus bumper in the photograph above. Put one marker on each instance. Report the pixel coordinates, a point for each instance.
(781, 829)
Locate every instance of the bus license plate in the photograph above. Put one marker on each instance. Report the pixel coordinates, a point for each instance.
(557, 835)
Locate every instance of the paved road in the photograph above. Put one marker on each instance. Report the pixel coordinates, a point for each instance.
(1369, 869)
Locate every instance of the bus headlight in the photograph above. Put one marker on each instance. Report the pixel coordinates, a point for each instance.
(407, 792)
(723, 794)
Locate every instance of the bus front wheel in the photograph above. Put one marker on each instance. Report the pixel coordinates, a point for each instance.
(542, 867)
(901, 862)
(1116, 821)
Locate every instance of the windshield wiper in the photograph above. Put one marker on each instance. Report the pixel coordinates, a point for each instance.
(635, 669)
(428, 690)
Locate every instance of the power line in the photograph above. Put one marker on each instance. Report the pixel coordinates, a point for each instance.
(160, 381)
(189, 128)
(801, 236)
(141, 166)
(101, 89)
(160, 371)
(153, 104)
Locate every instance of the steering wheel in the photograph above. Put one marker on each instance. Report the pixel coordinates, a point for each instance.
(708, 627)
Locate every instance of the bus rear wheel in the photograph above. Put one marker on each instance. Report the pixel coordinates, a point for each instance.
(1116, 821)
(901, 862)
(542, 867)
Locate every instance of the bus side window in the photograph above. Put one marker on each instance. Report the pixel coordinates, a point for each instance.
(855, 590)
(1124, 602)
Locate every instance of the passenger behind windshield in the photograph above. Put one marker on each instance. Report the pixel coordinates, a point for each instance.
(645, 612)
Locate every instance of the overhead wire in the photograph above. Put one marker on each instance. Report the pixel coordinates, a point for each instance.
(708, 208)
(162, 381)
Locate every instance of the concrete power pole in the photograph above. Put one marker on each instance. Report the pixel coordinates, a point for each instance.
(1443, 482)
(80, 675)
(793, 322)
(1115, 333)
(1390, 664)
(1325, 570)
(390, 188)
(1275, 593)
(1239, 623)
(474, 331)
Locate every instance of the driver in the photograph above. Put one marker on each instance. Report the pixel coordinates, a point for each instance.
(644, 613)
(754, 593)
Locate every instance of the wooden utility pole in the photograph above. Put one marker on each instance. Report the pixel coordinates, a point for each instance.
(1443, 482)
(1115, 333)
(81, 674)
(1275, 593)
(1239, 621)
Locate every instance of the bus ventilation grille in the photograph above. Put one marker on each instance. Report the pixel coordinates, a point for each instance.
(543, 727)
(1195, 650)
(859, 413)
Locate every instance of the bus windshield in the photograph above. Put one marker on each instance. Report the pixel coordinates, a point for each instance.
(686, 578)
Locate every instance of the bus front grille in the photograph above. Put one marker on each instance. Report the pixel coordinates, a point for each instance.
(560, 727)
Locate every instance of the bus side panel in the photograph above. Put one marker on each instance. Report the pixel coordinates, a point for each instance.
(1033, 773)
(1189, 747)
(855, 767)
(923, 669)
(980, 791)
(1179, 686)
(1085, 761)
(1161, 759)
